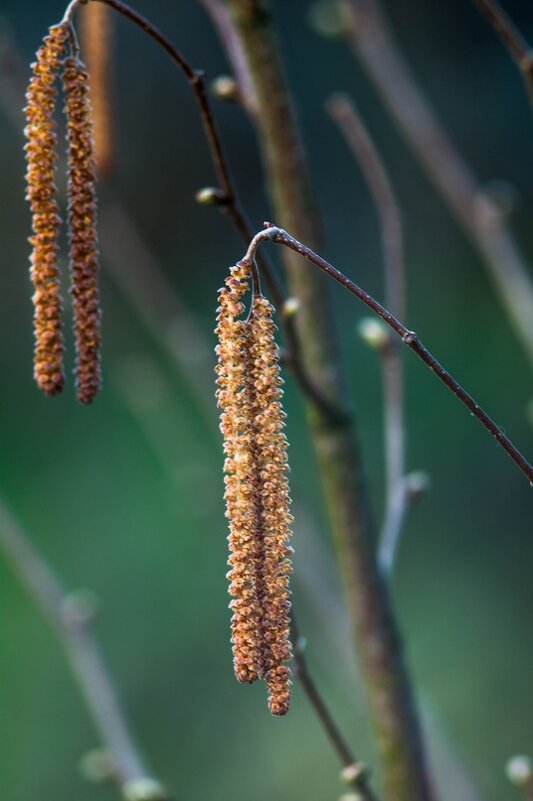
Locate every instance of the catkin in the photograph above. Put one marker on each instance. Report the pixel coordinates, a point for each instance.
(41, 194)
(271, 445)
(82, 229)
(241, 503)
(257, 494)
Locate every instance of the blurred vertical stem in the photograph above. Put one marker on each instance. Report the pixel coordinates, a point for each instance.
(387, 685)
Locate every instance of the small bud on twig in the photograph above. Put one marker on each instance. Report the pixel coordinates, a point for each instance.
(144, 789)
(519, 770)
(225, 88)
(211, 196)
(374, 333)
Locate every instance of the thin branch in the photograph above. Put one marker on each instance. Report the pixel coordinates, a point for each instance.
(408, 491)
(372, 40)
(345, 114)
(517, 46)
(86, 659)
(354, 772)
(386, 681)
(409, 338)
(227, 198)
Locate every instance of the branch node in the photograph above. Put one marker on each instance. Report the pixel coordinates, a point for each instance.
(353, 773)
(410, 338)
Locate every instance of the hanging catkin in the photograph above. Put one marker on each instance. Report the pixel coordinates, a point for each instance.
(41, 194)
(257, 495)
(82, 229)
(240, 490)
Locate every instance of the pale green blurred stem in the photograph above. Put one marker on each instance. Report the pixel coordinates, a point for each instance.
(85, 657)
(387, 686)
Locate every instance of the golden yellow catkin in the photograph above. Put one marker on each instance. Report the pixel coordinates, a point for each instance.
(257, 494)
(271, 446)
(82, 229)
(97, 47)
(41, 194)
(239, 478)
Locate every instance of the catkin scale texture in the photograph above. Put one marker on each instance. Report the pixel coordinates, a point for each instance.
(82, 229)
(257, 493)
(41, 193)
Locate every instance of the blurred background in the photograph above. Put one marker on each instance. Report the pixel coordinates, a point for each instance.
(125, 497)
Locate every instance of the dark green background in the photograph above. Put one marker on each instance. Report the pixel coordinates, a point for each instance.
(125, 497)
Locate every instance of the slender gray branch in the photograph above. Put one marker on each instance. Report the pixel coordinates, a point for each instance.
(369, 33)
(345, 114)
(85, 657)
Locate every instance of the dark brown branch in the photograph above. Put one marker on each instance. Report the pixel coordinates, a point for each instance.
(354, 772)
(369, 34)
(519, 49)
(86, 659)
(408, 337)
(228, 200)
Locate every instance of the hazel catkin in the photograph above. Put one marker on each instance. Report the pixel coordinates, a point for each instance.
(41, 193)
(257, 493)
(82, 229)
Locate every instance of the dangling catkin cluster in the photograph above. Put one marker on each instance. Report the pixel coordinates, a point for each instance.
(41, 193)
(257, 495)
(82, 229)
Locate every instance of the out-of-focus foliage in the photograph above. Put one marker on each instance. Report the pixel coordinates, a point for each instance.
(125, 497)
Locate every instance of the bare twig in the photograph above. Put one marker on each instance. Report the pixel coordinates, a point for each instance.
(409, 490)
(360, 142)
(374, 44)
(227, 198)
(86, 659)
(409, 338)
(519, 49)
(354, 773)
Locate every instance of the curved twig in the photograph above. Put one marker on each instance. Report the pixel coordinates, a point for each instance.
(409, 338)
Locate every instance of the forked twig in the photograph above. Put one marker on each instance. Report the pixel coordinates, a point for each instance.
(85, 657)
(409, 338)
